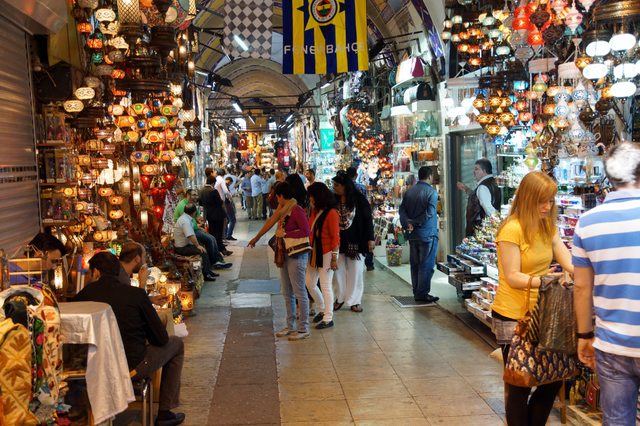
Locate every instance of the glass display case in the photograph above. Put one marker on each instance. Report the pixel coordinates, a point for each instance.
(324, 163)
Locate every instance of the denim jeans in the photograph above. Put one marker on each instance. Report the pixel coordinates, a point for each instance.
(170, 358)
(292, 275)
(423, 260)
(231, 217)
(210, 244)
(619, 382)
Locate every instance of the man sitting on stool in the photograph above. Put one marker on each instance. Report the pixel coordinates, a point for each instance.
(186, 243)
(138, 322)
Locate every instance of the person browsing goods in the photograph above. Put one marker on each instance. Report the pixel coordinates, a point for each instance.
(419, 219)
(485, 199)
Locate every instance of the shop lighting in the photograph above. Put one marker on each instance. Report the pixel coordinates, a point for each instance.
(241, 43)
(289, 117)
(622, 41)
(327, 84)
(237, 105)
(251, 118)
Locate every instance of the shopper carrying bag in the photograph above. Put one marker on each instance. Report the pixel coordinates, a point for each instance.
(527, 241)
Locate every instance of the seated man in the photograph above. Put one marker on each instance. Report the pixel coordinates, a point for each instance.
(186, 243)
(49, 248)
(139, 322)
(133, 260)
(215, 258)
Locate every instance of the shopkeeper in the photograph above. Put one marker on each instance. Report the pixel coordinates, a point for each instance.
(485, 199)
(139, 322)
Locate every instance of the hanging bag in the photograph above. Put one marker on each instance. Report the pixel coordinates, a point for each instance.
(410, 68)
(558, 326)
(527, 367)
(386, 109)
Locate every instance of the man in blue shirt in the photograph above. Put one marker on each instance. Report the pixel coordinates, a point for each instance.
(245, 186)
(606, 249)
(418, 217)
(256, 194)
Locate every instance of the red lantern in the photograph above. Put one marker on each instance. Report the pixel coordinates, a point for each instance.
(169, 180)
(535, 39)
(85, 27)
(146, 182)
(94, 43)
(158, 195)
(116, 73)
(521, 24)
(158, 211)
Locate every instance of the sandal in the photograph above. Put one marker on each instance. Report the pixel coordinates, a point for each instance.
(337, 306)
(357, 308)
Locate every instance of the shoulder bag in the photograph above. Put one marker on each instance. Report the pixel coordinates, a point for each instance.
(527, 367)
(558, 324)
(386, 109)
(295, 246)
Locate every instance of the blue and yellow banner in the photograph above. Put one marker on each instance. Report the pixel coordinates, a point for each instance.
(324, 36)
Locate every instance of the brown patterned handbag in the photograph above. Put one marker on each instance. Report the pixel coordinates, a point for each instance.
(526, 367)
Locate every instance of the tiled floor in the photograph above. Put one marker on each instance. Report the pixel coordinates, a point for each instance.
(384, 366)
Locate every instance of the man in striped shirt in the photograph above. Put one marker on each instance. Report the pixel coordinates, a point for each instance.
(606, 258)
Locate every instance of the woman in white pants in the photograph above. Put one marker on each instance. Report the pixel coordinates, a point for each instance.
(356, 240)
(325, 241)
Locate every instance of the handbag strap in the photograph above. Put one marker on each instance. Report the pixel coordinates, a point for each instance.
(528, 295)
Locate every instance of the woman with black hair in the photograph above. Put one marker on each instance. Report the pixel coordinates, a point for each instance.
(292, 223)
(356, 240)
(325, 242)
(299, 191)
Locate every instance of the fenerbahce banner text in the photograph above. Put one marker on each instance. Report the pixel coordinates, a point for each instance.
(324, 36)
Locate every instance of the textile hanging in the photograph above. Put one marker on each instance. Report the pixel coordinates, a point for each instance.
(324, 36)
(249, 21)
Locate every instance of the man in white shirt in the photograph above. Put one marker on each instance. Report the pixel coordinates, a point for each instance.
(221, 186)
(186, 243)
(256, 193)
(311, 178)
(485, 199)
(235, 180)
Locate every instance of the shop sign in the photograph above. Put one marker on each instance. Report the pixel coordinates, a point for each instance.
(326, 139)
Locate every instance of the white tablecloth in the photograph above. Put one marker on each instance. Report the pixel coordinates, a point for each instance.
(108, 383)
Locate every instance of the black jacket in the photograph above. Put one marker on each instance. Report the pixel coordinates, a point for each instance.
(361, 230)
(213, 205)
(137, 320)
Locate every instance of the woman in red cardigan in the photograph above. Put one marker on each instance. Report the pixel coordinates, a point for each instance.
(325, 241)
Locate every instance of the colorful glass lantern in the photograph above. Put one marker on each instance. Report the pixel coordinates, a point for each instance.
(475, 61)
(140, 156)
(103, 133)
(116, 200)
(446, 35)
(136, 198)
(583, 61)
(479, 102)
(525, 116)
(117, 73)
(73, 105)
(92, 145)
(169, 110)
(99, 162)
(91, 81)
(535, 39)
(116, 110)
(130, 136)
(155, 136)
(102, 236)
(105, 192)
(158, 121)
(116, 56)
(125, 121)
(553, 90)
(140, 109)
(84, 192)
(85, 27)
(81, 205)
(495, 101)
(485, 119)
(573, 18)
(549, 108)
(149, 169)
(105, 15)
(105, 70)
(521, 105)
(88, 178)
(85, 93)
(493, 129)
(506, 117)
(107, 149)
(97, 57)
(116, 214)
(167, 155)
(94, 42)
(171, 135)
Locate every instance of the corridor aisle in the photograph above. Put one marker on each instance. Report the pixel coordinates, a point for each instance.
(384, 366)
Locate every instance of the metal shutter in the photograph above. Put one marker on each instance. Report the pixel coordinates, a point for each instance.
(19, 205)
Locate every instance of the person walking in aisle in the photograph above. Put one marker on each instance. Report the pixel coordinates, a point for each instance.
(325, 242)
(299, 192)
(356, 240)
(215, 213)
(419, 219)
(256, 193)
(265, 194)
(352, 172)
(310, 176)
(606, 249)
(485, 199)
(292, 223)
(245, 186)
(230, 207)
(225, 193)
(527, 242)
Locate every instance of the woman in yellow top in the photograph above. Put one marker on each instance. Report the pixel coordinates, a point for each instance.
(527, 242)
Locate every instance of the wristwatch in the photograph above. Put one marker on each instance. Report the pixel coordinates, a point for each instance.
(589, 335)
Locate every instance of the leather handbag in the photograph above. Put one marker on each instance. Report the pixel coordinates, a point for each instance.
(386, 109)
(526, 366)
(296, 246)
(419, 92)
(392, 76)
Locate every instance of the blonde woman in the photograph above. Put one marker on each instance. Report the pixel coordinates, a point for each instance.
(527, 242)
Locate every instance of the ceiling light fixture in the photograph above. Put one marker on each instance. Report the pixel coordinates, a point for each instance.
(241, 43)
(237, 105)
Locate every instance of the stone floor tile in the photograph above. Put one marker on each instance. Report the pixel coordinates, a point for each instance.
(478, 368)
(338, 423)
(359, 348)
(308, 375)
(375, 389)
(403, 334)
(318, 391)
(424, 371)
(295, 361)
(394, 422)
(484, 420)
(367, 374)
(403, 345)
(495, 400)
(486, 383)
(312, 411)
(354, 359)
(384, 408)
(434, 406)
(453, 385)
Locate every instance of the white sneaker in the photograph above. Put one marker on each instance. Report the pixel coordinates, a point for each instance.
(284, 332)
(299, 336)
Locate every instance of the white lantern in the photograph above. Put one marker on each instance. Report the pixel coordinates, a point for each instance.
(85, 93)
(73, 105)
(105, 15)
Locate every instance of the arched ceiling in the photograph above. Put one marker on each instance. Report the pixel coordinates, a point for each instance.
(263, 79)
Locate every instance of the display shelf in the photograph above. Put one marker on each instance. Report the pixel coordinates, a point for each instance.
(60, 222)
(60, 184)
(511, 154)
(410, 82)
(54, 145)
